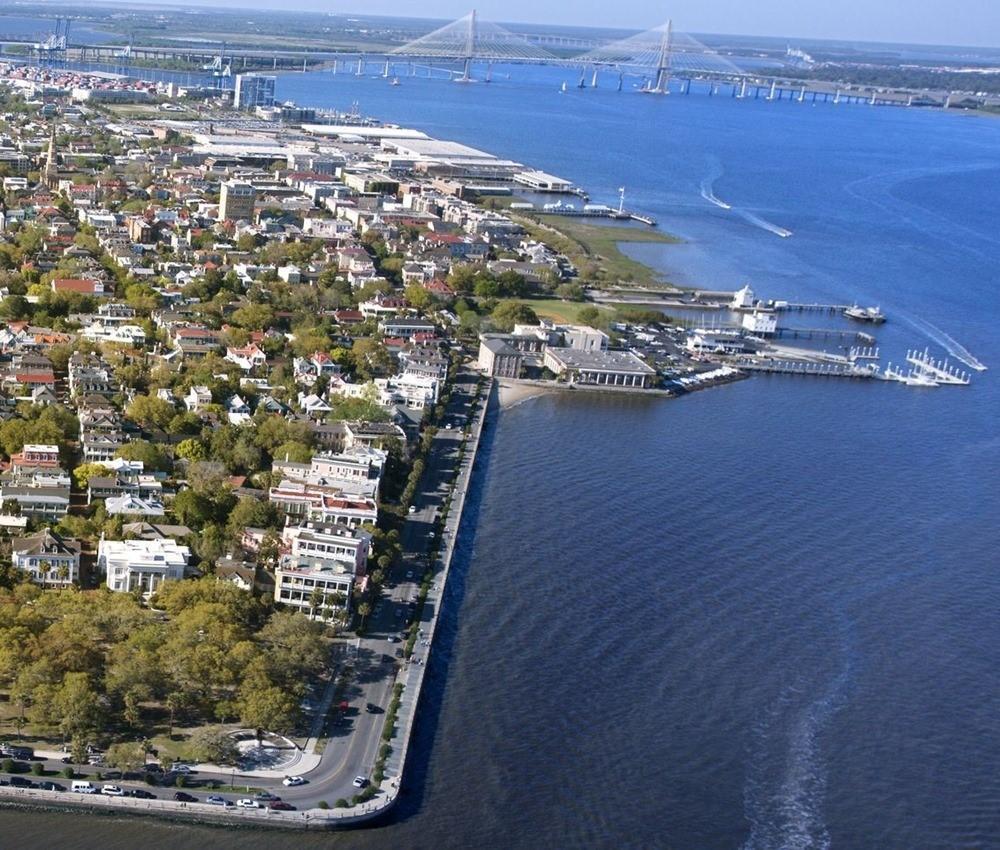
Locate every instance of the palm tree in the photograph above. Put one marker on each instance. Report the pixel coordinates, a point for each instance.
(364, 609)
(62, 573)
(44, 568)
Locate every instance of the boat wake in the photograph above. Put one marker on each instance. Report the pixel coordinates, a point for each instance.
(764, 224)
(948, 343)
(784, 805)
(708, 193)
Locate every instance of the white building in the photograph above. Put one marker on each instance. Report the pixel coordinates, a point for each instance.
(49, 558)
(253, 90)
(141, 565)
(318, 573)
(760, 323)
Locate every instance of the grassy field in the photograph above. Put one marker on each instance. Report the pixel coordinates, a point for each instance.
(595, 248)
(557, 310)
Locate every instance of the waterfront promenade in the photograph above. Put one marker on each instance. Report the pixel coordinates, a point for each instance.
(450, 462)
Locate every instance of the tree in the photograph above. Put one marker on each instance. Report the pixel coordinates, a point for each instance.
(254, 317)
(364, 609)
(570, 291)
(150, 411)
(78, 705)
(83, 473)
(191, 450)
(269, 707)
(126, 756)
(417, 296)
(371, 357)
(152, 456)
(214, 746)
(588, 316)
(510, 313)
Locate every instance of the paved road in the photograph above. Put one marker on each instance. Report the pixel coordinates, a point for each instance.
(353, 745)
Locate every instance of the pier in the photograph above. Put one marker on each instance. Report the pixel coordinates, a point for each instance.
(826, 333)
(803, 367)
(786, 306)
(617, 215)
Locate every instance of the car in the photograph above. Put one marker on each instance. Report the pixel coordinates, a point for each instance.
(216, 800)
(247, 803)
(153, 768)
(183, 797)
(181, 768)
(112, 791)
(21, 782)
(409, 573)
(66, 760)
(96, 759)
(360, 781)
(448, 426)
(265, 796)
(142, 794)
(371, 708)
(292, 781)
(412, 509)
(51, 786)
(281, 806)
(392, 639)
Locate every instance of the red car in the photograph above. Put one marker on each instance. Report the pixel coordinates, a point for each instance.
(281, 806)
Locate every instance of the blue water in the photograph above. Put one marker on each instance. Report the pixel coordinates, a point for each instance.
(762, 616)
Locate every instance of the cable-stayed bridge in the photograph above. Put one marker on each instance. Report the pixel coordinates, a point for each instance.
(655, 57)
(658, 51)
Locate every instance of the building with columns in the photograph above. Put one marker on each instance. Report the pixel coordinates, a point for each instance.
(601, 368)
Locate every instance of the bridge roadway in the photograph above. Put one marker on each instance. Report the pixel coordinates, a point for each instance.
(747, 85)
(353, 737)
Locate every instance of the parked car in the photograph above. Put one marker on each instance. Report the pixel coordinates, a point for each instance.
(152, 768)
(281, 806)
(21, 782)
(216, 800)
(182, 768)
(292, 781)
(51, 786)
(360, 781)
(265, 796)
(182, 797)
(392, 639)
(371, 708)
(112, 791)
(96, 759)
(22, 753)
(142, 794)
(247, 803)
(82, 786)
(412, 509)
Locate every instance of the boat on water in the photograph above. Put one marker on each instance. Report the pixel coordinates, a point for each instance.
(874, 315)
(395, 81)
(563, 89)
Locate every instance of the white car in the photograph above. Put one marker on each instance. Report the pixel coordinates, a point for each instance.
(112, 791)
(181, 768)
(360, 782)
(292, 781)
(247, 803)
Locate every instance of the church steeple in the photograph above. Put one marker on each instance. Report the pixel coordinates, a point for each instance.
(51, 172)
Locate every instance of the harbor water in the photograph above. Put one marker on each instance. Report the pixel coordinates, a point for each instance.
(761, 616)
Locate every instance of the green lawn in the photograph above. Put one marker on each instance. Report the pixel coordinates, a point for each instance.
(557, 310)
(595, 248)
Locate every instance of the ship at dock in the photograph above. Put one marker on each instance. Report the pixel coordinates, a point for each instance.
(872, 315)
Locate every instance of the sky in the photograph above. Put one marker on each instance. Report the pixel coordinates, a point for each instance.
(961, 22)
